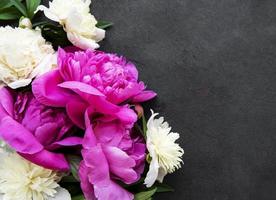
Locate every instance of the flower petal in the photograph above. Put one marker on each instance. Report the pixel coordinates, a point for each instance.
(46, 90)
(144, 96)
(80, 88)
(62, 194)
(47, 13)
(6, 102)
(75, 112)
(19, 83)
(121, 164)
(67, 142)
(49, 160)
(86, 186)
(153, 170)
(18, 137)
(82, 42)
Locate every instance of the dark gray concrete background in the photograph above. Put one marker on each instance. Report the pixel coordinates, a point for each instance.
(213, 64)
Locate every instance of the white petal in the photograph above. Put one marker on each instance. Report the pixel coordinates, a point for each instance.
(82, 42)
(100, 34)
(47, 12)
(161, 174)
(153, 170)
(46, 65)
(20, 83)
(62, 194)
(1, 196)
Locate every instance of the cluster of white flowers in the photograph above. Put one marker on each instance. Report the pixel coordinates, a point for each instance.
(21, 179)
(78, 22)
(27, 56)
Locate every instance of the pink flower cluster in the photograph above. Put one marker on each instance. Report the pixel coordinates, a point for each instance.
(83, 104)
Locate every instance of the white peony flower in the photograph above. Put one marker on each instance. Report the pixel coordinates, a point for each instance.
(21, 179)
(75, 17)
(24, 54)
(164, 152)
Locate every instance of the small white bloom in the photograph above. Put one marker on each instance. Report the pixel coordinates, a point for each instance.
(24, 54)
(21, 179)
(78, 22)
(25, 23)
(164, 152)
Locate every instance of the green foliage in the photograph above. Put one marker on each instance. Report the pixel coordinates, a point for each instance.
(15, 9)
(10, 13)
(74, 165)
(79, 197)
(55, 34)
(32, 6)
(20, 6)
(145, 195)
(104, 24)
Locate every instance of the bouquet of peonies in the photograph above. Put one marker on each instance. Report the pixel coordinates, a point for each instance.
(71, 121)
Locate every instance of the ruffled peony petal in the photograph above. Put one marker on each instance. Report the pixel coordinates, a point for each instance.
(46, 90)
(89, 139)
(67, 142)
(6, 103)
(112, 192)
(121, 164)
(18, 137)
(81, 88)
(144, 96)
(46, 133)
(49, 160)
(75, 112)
(86, 186)
(95, 159)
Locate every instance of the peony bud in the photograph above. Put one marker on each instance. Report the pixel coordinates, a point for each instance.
(25, 22)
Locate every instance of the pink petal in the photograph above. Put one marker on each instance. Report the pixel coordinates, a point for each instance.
(49, 160)
(67, 142)
(46, 90)
(6, 102)
(112, 192)
(83, 89)
(89, 139)
(95, 159)
(18, 137)
(46, 133)
(86, 186)
(144, 96)
(75, 111)
(121, 164)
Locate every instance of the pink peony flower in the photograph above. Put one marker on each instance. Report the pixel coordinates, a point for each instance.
(111, 152)
(35, 131)
(92, 79)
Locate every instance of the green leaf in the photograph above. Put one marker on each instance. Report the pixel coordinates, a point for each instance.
(145, 195)
(79, 197)
(74, 165)
(5, 4)
(32, 6)
(20, 6)
(164, 188)
(69, 179)
(9, 14)
(55, 34)
(104, 24)
(144, 123)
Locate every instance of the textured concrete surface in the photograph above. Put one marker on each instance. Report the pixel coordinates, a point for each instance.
(213, 64)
